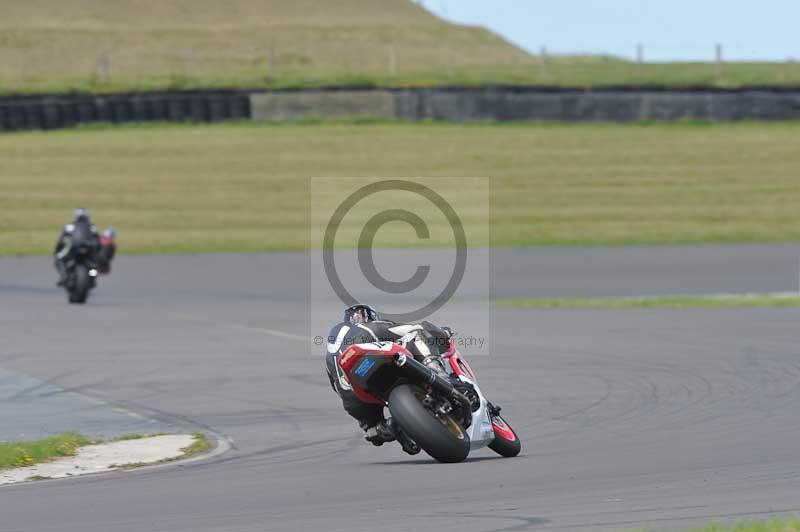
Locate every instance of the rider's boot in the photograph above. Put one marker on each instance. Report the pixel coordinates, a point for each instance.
(386, 431)
(380, 433)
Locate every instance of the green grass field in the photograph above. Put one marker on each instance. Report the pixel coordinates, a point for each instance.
(119, 45)
(674, 301)
(245, 187)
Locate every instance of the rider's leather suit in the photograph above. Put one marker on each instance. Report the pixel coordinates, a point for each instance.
(424, 340)
(73, 234)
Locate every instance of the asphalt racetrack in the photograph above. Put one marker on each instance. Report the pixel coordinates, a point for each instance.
(629, 418)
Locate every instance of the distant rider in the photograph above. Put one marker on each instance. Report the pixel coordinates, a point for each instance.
(108, 248)
(80, 230)
(361, 324)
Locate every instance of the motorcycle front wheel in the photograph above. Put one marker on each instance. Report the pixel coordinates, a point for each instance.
(80, 288)
(441, 436)
(506, 442)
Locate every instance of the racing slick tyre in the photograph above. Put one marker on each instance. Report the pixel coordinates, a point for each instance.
(442, 437)
(505, 443)
(80, 289)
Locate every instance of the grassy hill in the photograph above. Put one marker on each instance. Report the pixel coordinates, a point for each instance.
(121, 44)
(211, 14)
(113, 45)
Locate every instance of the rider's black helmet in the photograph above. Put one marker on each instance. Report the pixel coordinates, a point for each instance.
(360, 314)
(81, 215)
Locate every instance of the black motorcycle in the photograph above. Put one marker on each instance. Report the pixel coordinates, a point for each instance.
(81, 272)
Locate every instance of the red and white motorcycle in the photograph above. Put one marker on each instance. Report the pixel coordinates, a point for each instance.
(447, 418)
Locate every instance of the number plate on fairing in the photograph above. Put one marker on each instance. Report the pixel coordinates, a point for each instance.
(364, 366)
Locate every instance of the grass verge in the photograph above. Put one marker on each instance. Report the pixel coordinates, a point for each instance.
(245, 187)
(576, 72)
(676, 301)
(136, 436)
(28, 453)
(199, 445)
(772, 525)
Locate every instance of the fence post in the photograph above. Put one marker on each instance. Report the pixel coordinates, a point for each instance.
(719, 61)
(543, 61)
(272, 67)
(103, 68)
(310, 50)
(392, 60)
(188, 64)
(449, 62)
(639, 60)
(23, 73)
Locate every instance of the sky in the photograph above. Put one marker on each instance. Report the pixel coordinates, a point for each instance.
(666, 29)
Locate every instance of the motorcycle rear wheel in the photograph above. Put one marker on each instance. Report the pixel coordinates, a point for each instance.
(442, 437)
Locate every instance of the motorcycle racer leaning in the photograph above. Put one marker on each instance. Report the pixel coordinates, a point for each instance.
(361, 324)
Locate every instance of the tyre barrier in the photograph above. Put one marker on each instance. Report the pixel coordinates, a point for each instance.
(452, 104)
(52, 112)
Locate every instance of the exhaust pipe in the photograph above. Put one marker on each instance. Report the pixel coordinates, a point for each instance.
(418, 372)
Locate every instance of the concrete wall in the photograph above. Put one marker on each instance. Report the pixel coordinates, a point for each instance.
(460, 105)
(606, 105)
(322, 104)
(450, 104)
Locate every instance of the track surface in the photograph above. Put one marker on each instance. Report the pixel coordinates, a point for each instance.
(33, 408)
(658, 418)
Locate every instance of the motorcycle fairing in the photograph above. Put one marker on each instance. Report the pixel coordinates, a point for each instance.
(481, 432)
